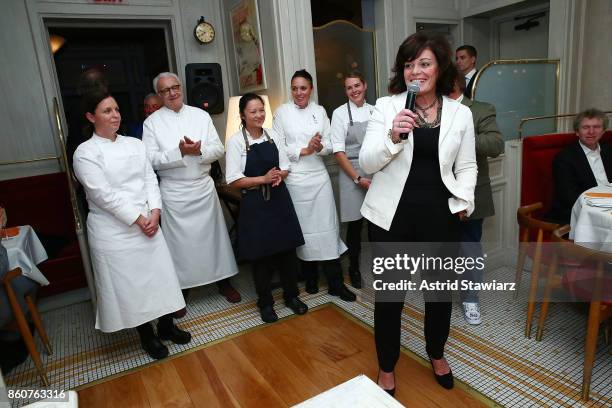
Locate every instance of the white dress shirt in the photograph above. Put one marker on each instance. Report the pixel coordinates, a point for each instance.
(236, 156)
(597, 167)
(469, 75)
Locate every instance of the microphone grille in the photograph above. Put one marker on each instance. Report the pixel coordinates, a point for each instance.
(414, 86)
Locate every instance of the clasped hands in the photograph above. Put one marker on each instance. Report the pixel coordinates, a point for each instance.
(315, 144)
(403, 122)
(149, 225)
(273, 177)
(190, 148)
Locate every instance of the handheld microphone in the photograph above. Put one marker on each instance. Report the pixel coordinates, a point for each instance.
(413, 89)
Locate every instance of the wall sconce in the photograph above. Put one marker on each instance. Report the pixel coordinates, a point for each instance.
(233, 116)
(56, 42)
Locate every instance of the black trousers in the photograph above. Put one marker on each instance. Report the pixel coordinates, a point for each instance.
(428, 223)
(286, 265)
(331, 269)
(353, 242)
(145, 330)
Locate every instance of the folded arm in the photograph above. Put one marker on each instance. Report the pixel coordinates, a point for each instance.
(91, 175)
(160, 159)
(377, 149)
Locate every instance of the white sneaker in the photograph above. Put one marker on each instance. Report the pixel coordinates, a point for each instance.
(471, 311)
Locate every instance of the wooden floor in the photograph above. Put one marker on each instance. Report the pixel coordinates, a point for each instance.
(277, 365)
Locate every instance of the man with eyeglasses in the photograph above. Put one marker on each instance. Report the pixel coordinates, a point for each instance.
(582, 165)
(181, 143)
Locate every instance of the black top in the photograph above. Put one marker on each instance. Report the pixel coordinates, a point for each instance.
(424, 185)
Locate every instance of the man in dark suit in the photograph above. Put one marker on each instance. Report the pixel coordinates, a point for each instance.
(581, 165)
(489, 143)
(465, 59)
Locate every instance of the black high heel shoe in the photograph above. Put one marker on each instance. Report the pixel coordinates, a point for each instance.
(391, 392)
(445, 380)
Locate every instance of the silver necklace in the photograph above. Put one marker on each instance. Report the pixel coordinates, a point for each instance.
(425, 109)
(424, 123)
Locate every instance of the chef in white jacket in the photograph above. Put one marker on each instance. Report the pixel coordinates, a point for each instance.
(134, 275)
(304, 127)
(181, 143)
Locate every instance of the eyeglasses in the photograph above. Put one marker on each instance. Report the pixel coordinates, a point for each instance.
(166, 91)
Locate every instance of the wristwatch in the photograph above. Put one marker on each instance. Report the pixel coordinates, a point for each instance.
(357, 180)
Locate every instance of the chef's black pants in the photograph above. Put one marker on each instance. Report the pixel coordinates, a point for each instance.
(286, 265)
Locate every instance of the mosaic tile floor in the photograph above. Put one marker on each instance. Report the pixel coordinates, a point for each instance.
(493, 358)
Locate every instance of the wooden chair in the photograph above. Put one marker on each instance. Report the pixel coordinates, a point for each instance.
(22, 324)
(533, 234)
(586, 279)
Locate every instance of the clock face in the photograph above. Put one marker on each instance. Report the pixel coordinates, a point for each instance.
(204, 32)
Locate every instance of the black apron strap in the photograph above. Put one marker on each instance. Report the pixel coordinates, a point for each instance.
(348, 106)
(246, 139)
(265, 188)
(268, 138)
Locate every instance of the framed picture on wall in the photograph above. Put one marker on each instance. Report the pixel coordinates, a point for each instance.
(248, 51)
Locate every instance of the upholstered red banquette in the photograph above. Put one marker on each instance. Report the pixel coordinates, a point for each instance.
(44, 203)
(537, 179)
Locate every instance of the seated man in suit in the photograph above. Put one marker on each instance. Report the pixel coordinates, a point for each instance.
(582, 165)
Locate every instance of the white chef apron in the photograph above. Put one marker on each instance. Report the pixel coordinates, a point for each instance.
(313, 199)
(134, 276)
(195, 231)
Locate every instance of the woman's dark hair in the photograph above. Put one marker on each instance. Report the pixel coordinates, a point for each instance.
(412, 48)
(354, 74)
(302, 73)
(89, 103)
(244, 101)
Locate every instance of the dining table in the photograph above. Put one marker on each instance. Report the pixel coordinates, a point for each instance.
(591, 221)
(25, 251)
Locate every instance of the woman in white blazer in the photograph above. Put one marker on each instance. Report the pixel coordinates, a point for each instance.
(424, 173)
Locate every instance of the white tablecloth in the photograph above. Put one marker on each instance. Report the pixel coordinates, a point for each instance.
(591, 225)
(26, 251)
(360, 392)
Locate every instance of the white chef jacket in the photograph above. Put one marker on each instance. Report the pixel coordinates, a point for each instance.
(134, 275)
(296, 127)
(161, 134)
(308, 182)
(235, 158)
(192, 217)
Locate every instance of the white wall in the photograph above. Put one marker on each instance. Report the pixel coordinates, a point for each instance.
(396, 20)
(27, 128)
(477, 32)
(275, 88)
(523, 44)
(473, 7)
(597, 56)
